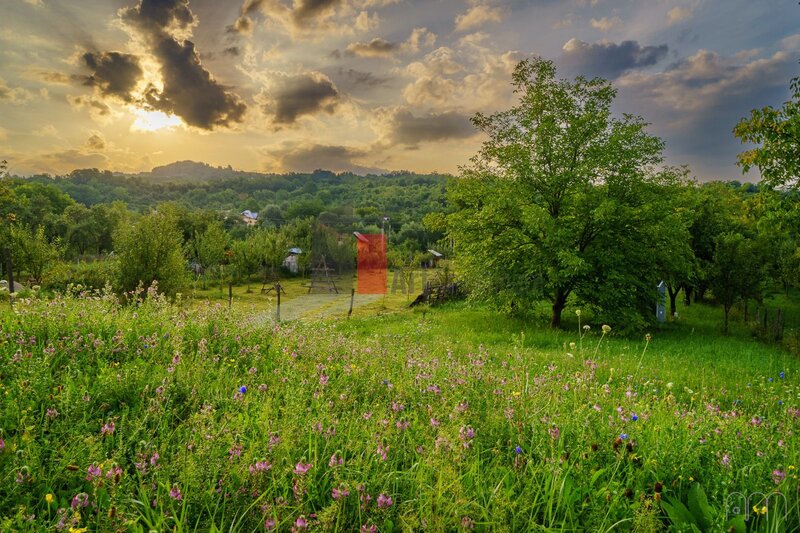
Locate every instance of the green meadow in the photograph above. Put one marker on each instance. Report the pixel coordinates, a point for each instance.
(192, 417)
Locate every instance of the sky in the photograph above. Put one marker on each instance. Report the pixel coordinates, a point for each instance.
(367, 85)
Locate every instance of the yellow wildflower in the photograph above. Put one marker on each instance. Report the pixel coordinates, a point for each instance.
(49, 498)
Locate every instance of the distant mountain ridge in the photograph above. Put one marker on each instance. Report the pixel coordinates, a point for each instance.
(192, 171)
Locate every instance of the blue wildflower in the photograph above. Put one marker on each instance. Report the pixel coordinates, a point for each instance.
(624, 436)
(634, 417)
(782, 375)
(518, 449)
(780, 402)
(242, 389)
(770, 380)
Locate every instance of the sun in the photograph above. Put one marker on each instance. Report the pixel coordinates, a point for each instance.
(153, 121)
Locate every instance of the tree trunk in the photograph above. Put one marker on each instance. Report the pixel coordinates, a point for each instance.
(673, 294)
(727, 310)
(559, 301)
(687, 295)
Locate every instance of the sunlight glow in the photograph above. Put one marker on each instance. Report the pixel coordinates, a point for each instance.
(153, 120)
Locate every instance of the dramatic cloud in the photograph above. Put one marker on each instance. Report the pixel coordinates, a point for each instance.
(292, 97)
(696, 102)
(607, 59)
(304, 18)
(113, 73)
(307, 11)
(189, 91)
(99, 110)
(299, 157)
(399, 126)
(377, 47)
(478, 15)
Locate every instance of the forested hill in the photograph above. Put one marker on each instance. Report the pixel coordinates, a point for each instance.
(286, 196)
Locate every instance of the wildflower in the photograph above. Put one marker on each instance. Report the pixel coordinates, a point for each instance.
(339, 493)
(467, 523)
(2, 444)
(49, 498)
(175, 493)
(634, 417)
(647, 337)
(323, 380)
(269, 524)
(434, 422)
(587, 327)
(51, 412)
(93, 472)
(301, 468)
(108, 428)
(726, 460)
(782, 375)
(778, 476)
(518, 450)
(335, 461)
(259, 466)
(262, 387)
(154, 459)
(624, 436)
(578, 312)
(554, 433)
(384, 501)
(242, 389)
(79, 500)
(300, 523)
(606, 328)
(369, 528)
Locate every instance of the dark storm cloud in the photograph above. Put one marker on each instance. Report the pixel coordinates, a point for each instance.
(607, 59)
(308, 10)
(377, 47)
(190, 91)
(406, 129)
(113, 73)
(155, 17)
(303, 94)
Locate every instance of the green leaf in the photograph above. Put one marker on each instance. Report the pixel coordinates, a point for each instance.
(698, 504)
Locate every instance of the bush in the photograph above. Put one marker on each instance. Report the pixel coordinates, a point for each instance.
(91, 275)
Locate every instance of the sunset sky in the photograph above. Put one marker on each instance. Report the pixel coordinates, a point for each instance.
(366, 85)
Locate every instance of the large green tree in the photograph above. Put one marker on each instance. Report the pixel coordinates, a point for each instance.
(563, 198)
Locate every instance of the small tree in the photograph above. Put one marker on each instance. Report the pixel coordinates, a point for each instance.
(736, 273)
(32, 251)
(210, 245)
(150, 250)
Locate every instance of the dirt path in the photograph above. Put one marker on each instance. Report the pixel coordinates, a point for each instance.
(319, 305)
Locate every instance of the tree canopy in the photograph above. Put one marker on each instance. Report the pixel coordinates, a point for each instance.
(562, 199)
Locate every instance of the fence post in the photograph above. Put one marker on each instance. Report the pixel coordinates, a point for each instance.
(278, 292)
(352, 297)
(230, 294)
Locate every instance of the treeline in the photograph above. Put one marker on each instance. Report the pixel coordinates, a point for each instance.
(403, 196)
(55, 239)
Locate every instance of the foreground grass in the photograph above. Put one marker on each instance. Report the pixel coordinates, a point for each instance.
(158, 417)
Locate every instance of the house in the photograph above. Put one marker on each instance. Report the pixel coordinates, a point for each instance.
(433, 260)
(249, 217)
(290, 263)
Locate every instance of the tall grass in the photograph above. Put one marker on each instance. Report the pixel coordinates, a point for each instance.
(153, 416)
